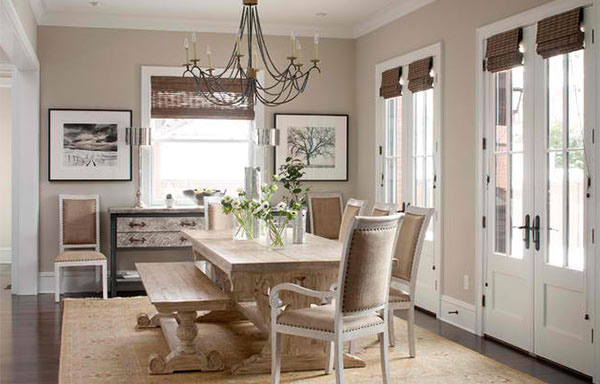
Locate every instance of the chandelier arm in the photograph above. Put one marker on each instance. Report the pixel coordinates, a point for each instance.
(265, 51)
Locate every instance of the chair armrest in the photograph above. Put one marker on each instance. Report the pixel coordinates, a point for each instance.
(276, 302)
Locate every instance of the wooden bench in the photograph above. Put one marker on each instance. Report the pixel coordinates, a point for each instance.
(178, 291)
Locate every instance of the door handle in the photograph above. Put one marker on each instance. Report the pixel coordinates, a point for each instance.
(526, 227)
(536, 232)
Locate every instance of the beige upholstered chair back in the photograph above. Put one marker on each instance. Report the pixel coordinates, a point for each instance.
(384, 209)
(410, 243)
(214, 217)
(79, 221)
(364, 277)
(325, 210)
(353, 208)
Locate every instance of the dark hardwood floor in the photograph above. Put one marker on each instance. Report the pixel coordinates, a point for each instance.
(30, 329)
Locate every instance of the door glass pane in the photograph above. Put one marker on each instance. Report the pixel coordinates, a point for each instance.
(502, 114)
(516, 205)
(575, 256)
(576, 99)
(555, 101)
(517, 109)
(555, 230)
(420, 182)
(429, 122)
(501, 183)
(393, 151)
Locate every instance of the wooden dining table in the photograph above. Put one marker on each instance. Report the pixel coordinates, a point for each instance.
(248, 269)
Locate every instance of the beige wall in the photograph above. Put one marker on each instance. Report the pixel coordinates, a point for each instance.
(27, 20)
(453, 23)
(100, 68)
(5, 162)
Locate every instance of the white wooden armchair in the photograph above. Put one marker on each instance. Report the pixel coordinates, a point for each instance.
(353, 208)
(79, 238)
(384, 209)
(325, 213)
(359, 305)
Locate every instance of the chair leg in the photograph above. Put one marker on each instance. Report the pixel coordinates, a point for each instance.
(329, 353)
(391, 330)
(385, 364)
(97, 270)
(411, 332)
(339, 361)
(104, 282)
(56, 283)
(275, 357)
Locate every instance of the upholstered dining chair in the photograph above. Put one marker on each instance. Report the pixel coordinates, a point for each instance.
(353, 208)
(384, 209)
(325, 214)
(356, 308)
(79, 238)
(407, 254)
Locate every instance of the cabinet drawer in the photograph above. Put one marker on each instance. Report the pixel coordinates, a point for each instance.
(151, 240)
(158, 224)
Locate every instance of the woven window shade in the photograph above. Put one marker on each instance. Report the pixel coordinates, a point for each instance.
(177, 98)
(560, 34)
(502, 51)
(390, 83)
(419, 75)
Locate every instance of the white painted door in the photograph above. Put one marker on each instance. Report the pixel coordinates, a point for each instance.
(508, 283)
(409, 176)
(539, 206)
(562, 234)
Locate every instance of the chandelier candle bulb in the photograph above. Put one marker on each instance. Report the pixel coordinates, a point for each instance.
(293, 44)
(209, 54)
(299, 52)
(194, 44)
(186, 45)
(317, 46)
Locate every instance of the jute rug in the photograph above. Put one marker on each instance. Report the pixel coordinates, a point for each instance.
(101, 345)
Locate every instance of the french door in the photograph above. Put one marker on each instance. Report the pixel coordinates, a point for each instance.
(409, 176)
(539, 206)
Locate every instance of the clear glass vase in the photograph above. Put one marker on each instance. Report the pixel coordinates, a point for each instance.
(276, 232)
(299, 227)
(243, 226)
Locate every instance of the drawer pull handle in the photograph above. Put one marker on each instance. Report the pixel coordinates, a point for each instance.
(133, 224)
(134, 240)
(184, 223)
(182, 239)
(453, 313)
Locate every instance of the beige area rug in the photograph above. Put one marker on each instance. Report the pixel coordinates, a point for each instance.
(101, 345)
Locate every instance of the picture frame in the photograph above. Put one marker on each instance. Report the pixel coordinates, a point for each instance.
(89, 145)
(326, 157)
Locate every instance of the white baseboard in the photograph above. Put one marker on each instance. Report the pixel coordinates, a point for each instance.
(73, 281)
(464, 319)
(5, 255)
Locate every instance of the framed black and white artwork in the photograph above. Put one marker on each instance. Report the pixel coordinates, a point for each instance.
(87, 145)
(319, 141)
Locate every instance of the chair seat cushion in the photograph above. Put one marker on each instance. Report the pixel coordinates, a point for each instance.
(398, 296)
(322, 318)
(71, 256)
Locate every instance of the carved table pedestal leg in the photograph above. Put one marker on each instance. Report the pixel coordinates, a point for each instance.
(184, 356)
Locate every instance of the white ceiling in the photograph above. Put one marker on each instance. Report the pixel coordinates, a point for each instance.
(344, 18)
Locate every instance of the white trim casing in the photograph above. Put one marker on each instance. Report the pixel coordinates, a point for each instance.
(435, 51)
(387, 15)
(458, 313)
(5, 255)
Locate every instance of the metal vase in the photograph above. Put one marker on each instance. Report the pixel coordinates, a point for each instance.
(299, 228)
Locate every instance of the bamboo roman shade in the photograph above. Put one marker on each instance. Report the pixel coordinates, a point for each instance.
(390, 83)
(177, 98)
(502, 51)
(419, 75)
(560, 34)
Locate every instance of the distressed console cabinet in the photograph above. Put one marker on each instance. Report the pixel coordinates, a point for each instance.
(149, 229)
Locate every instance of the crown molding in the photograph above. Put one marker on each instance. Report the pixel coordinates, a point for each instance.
(116, 21)
(108, 20)
(39, 9)
(387, 15)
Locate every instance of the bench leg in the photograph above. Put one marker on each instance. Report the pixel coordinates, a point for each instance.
(184, 356)
(143, 320)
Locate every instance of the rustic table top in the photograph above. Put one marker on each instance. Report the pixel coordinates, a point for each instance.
(255, 256)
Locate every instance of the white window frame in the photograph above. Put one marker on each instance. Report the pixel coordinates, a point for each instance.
(435, 51)
(258, 154)
(482, 86)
